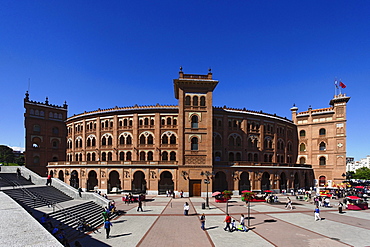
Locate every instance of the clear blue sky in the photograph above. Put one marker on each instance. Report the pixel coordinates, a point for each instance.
(267, 56)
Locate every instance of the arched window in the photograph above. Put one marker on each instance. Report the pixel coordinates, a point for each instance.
(142, 155)
(302, 147)
(110, 140)
(302, 133)
(169, 121)
(238, 141)
(150, 139)
(238, 157)
(322, 146)
(80, 157)
(302, 160)
(194, 143)
(104, 156)
(173, 139)
(142, 139)
(88, 157)
(187, 100)
(255, 157)
(93, 142)
(125, 122)
(163, 122)
(249, 158)
(164, 156)
(231, 141)
(194, 121)
(121, 156)
(55, 144)
(202, 101)
(218, 140)
(231, 156)
(195, 101)
(104, 141)
(128, 156)
(164, 139)
(174, 122)
(76, 156)
(93, 157)
(322, 132)
(110, 156)
(150, 155)
(173, 155)
(128, 140)
(322, 161)
(146, 121)
(88, 142)
(121, 140)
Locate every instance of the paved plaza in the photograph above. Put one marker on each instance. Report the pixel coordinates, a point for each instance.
(163, 224)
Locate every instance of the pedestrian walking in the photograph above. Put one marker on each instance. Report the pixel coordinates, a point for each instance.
(186, 208)
(242, 222)
(182, 194)
(317, 214)
(140, 205)
(107, 226)
(289, 204)
(202, 222)
(48, 180)
(228, 222)
(340, 207)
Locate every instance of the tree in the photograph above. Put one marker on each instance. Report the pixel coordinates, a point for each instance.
(362, 173)
(6, 154)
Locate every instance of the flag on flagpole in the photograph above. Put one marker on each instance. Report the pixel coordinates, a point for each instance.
(336, 84)
(341, 84)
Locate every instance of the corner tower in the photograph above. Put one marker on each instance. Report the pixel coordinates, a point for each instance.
(45, 134)
(322, 140)
(194, 93)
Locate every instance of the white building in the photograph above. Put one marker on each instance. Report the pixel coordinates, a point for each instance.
(353, 165)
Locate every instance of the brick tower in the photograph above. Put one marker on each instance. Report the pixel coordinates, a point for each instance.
(194, 93)
(45, 134)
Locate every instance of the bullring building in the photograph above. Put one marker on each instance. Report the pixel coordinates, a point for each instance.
(167, 147)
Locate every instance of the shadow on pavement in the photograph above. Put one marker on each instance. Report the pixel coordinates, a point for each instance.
(211, 227)
(120, 235)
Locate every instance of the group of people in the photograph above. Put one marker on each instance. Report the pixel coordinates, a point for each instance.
(232, 226)
(56, 231)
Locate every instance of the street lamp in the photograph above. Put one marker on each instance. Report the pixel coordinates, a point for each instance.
(207, 181)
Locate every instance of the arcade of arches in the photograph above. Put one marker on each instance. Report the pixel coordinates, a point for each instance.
(190, 181)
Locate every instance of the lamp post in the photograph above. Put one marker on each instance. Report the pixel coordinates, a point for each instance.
(207, 181)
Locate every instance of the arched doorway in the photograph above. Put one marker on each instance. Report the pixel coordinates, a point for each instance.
(244, 182)
(322, 181)
(296, 182)
(114, 181)
(265, 182)
(51, 173)
(283, 182)
(165, 183)
(61, 175)
(139, 183)
(92, 181)
(220, 182)
(74, 181)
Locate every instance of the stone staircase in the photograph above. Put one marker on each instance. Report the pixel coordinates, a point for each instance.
(11, 179)
(34, 197)
(60, 201)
